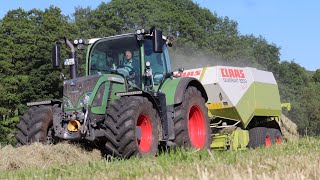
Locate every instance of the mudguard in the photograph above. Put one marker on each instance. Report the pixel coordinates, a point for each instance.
(175, 89)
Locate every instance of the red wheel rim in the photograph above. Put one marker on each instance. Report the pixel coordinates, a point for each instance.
(278, 140)
(268, 141)
(145, 138)
(197, 127)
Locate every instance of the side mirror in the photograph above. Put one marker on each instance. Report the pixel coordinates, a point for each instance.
(157, 41)
(56, 56)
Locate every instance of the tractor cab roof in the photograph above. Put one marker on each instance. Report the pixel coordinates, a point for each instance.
(93, 40)
(168, 40)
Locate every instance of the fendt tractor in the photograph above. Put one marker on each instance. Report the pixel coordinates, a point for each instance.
(130, 103)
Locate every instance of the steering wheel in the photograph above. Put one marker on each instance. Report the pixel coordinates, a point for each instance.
(131, 68)
(125, 72)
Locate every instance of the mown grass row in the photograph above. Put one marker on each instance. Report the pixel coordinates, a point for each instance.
(293, 160)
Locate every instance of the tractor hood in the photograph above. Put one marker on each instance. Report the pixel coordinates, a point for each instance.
(76, 88)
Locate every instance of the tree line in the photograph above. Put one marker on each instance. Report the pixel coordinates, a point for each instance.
(26, 39)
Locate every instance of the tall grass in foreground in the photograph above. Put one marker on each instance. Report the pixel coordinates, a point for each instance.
(294, 160)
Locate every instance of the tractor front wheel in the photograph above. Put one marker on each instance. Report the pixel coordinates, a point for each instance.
(132, 128)
(36, 126)
(191, 122)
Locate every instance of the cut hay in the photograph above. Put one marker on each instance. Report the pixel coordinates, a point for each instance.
(289, 128)
(41, 156)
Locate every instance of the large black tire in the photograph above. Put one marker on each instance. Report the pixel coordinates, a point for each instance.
(276, 136)
(132, 128)
(36, 126)
(260, 136)
(191, 121)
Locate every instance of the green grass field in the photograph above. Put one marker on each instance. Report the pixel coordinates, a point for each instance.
(293, 160)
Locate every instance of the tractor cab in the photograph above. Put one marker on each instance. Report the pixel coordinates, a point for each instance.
(131, 57)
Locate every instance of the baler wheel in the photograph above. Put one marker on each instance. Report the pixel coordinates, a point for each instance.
(276, 136)
(36, 126)
(191, 122)
(260, 136)
(132, 128)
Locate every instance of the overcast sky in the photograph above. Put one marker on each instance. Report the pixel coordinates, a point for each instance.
(292, 25)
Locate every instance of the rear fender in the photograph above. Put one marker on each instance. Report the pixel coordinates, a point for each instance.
(176, 88)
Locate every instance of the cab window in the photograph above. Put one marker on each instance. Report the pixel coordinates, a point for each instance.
(157, 61)
(109, 55)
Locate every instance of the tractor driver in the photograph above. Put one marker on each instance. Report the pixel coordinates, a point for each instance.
(128, 63)
(128, 59)
(131, 65)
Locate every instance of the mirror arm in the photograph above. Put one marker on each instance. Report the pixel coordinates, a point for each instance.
(56, 55)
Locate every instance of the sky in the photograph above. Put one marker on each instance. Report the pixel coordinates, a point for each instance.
(293, 25)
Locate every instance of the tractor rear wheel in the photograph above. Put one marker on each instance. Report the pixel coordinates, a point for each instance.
(191, 122)
(132, 128)
(260, 136)
(36, 126)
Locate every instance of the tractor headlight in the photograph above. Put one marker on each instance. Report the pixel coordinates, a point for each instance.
(84, 99)
(67, 103)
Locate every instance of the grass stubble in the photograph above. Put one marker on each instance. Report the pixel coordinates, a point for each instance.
(299, 159)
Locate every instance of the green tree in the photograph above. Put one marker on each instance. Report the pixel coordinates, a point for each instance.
(26, 39)
(316, 76)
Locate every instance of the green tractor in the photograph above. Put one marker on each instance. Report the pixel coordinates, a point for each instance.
(128, 104)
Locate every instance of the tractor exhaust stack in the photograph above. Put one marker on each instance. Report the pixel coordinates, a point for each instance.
(72, 55)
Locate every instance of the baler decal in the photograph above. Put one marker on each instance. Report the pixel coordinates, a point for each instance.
(190, 73)
(232, 73)
(232, 80)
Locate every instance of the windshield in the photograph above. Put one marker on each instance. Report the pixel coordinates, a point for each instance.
(120, 54)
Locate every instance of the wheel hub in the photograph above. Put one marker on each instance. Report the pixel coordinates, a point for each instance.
(197, 127)
(138, 133)
(144, 133)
